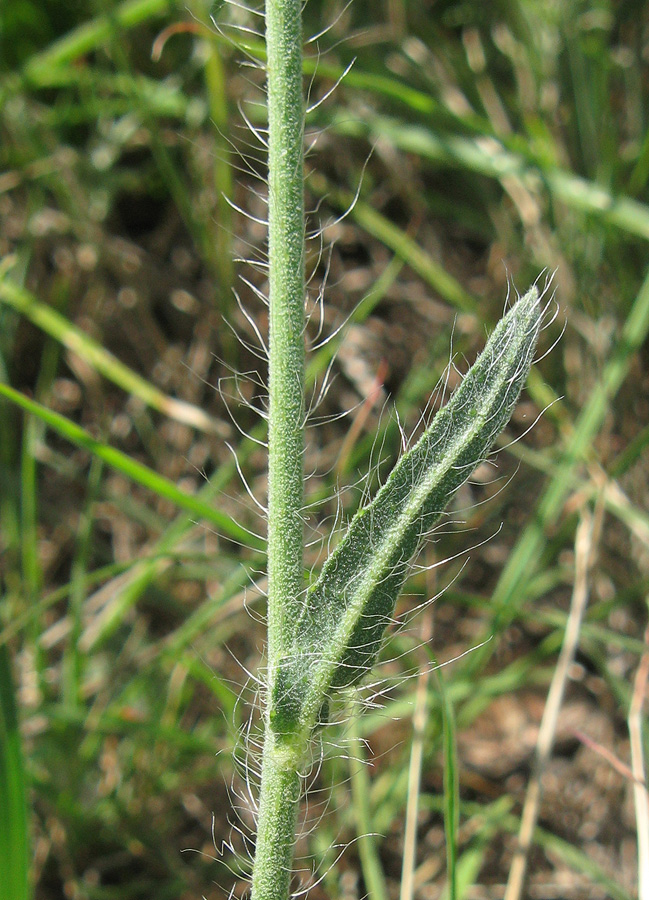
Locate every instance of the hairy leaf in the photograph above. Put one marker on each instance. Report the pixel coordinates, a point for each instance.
(338, 633)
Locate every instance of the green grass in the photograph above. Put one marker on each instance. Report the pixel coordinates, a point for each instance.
(487, 143)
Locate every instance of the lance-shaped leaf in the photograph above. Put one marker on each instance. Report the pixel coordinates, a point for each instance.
(345, 612)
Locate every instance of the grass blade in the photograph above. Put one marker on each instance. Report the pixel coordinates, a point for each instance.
(134, 470)
(373, 874)
(75, 340)
(14, 838)
(451, 788)
(510, 593)
(495, 161)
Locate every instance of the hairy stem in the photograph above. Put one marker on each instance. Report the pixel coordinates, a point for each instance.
(280, 781)
(280, 795)
(286, 338)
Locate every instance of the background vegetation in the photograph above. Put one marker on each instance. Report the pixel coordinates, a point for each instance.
(486, 141)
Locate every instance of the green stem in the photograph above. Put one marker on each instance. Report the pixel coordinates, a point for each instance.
(286, 338)
(280, 782)
(278, 804)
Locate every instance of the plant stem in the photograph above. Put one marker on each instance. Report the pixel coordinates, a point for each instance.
(278, 804)
(286, 338)
(280, 780)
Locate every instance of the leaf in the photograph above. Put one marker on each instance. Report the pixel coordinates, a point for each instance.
(338, 634)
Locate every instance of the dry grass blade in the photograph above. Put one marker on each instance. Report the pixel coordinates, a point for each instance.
(640, 795)
(583, 553)
(419, 717)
